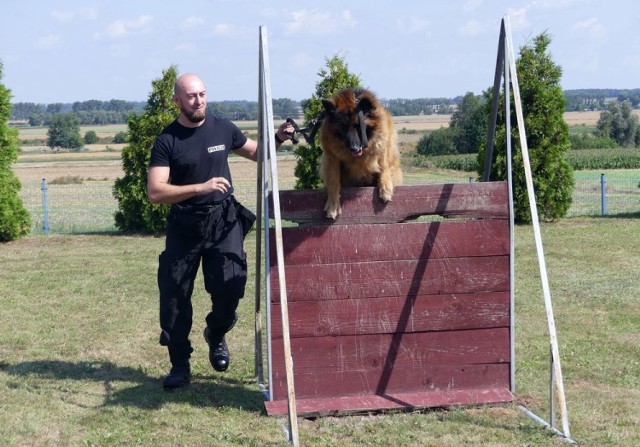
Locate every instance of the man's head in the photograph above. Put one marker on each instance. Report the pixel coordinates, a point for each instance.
(190, 95)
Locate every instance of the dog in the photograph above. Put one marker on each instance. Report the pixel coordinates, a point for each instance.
(359, 147)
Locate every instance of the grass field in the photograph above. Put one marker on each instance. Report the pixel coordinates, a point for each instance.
(80, 363)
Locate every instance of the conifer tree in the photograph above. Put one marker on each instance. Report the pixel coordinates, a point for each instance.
(334, 78)
(543, 106)
(15, 220)
(135, 212)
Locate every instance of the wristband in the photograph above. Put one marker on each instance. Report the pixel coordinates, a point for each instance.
(278, 140)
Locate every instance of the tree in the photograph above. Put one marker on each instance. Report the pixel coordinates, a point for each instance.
(466, 134)
(135, 212)
(333, 79)
(15, 220)
(120, 137)
(285, 107)
(543, 106)
(91, 137)
(64, 131)
(619, 123)
(471, 124)
(439, 142)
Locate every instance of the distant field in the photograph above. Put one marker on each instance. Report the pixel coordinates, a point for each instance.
(107, 130)
(101, 161)
(417, 122)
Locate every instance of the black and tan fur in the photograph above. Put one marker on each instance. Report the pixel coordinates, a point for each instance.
(345, 160)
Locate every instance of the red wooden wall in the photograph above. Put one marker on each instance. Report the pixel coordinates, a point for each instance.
(389, 312)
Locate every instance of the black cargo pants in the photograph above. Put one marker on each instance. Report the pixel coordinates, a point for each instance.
(214, 236)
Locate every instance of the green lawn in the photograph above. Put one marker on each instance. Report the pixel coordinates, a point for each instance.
(80, 363)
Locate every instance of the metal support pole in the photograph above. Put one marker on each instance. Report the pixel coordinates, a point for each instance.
(537, 236)
(538, 420)
(260, 205)
(288, 359)
(512, 237)
(552, 384)
(45, 206)
(488, 156)
(603, 194)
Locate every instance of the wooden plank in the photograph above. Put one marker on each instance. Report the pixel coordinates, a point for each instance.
(393, 278)
(411, 350)
(398, 380)
(362, 205)
(370, 242)
(393, 314)
(332, 406)
(376, 357)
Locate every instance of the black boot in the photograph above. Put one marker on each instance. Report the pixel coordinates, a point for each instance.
(178, 377)
(180, 374)
(218, 351)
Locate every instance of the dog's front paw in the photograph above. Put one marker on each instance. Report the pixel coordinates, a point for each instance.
(386, 193)
(333, 209)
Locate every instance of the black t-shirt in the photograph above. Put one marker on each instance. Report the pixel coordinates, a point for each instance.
(194, 155)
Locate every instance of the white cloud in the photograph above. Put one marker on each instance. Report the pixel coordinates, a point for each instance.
(518, 18)
(591, 27)
(348, 20)
(318, 23)
(86, 13)
(123, 28)
(223, 29)
(63, 16)
(192, 22)
(552, 4)
(413, 25)
(48, 42)
(472, 5)
(471, 28)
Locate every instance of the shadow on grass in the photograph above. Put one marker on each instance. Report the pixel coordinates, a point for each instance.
(130, 387)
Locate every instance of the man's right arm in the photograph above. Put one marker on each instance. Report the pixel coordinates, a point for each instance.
(159, 190)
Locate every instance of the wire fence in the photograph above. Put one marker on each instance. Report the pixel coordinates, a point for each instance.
(89, 207)
(86, 207)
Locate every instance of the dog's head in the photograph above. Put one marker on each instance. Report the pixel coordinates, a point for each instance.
(351, 117)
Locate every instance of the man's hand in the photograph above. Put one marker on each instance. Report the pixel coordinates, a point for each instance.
(285, 132)
(216, 184)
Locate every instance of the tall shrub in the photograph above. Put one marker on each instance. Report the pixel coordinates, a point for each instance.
(334, 78)
(466, 133)
(619, 123)
(470, 124)
(15, 220)
(64, 131)
(547, 136)
(135, 212)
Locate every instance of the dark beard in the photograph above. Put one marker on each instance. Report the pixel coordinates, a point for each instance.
(197, 116)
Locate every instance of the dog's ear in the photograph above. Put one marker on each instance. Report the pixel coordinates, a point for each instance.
(366, 105)
(329, 107)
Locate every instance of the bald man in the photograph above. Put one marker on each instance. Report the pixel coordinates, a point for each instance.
(206, 225)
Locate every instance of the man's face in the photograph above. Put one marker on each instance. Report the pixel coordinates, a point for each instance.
(192, 101)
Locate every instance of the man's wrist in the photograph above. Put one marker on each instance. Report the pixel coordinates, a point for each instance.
(278, 140)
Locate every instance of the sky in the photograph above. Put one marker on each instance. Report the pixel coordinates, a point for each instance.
(77, 50)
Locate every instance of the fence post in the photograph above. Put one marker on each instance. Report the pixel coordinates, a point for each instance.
(45, 211)
(603, 194)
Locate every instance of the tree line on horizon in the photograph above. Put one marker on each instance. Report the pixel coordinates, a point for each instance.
(96, 112)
